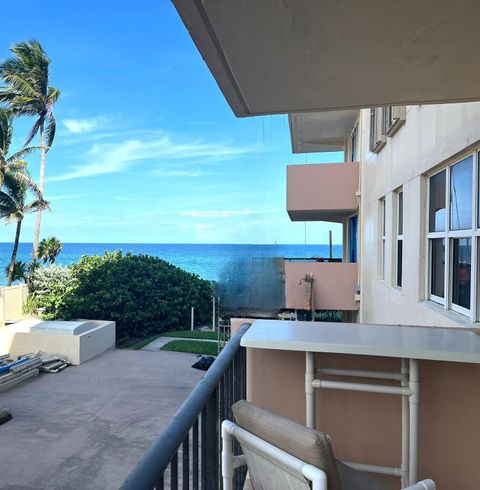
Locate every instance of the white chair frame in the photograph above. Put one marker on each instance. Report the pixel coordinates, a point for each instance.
(315, 475)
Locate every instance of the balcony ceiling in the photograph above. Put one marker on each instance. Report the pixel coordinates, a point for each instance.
(284, 56)
(321, 131)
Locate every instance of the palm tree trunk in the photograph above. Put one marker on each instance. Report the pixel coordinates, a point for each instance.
(14, 253)
(41, 185)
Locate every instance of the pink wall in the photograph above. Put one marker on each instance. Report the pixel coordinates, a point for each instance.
(322, 191)
(334, 286)
(366, 427)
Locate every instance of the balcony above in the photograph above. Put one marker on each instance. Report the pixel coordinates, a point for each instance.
(321, 131)
(334, 286)
(271, 57)
(322, 192)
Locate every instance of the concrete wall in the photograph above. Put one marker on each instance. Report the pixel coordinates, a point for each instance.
(431, 137)
(334, 286)
(18, 340)
(366, 427)
(322, 192)
(12, 299)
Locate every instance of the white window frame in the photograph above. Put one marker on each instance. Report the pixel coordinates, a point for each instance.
(449, 235)
(393, 119)
(399, 236)
(382, 238)
(354, 140)
(377, 137)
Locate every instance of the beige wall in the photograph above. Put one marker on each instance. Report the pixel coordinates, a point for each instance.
(430, 137)
(12, 299)
(334, 286)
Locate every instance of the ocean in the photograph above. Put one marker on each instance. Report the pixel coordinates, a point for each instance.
(206, 260)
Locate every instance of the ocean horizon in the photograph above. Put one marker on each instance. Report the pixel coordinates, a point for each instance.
(206, 260)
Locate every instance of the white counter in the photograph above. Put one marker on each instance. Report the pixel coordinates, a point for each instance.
(428, 343)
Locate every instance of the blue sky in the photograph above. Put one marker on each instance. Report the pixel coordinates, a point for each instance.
(147, 149)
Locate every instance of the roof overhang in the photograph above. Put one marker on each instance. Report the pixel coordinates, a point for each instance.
(276, 56)
(321, 131)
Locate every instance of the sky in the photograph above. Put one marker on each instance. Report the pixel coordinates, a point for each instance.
(147, 149)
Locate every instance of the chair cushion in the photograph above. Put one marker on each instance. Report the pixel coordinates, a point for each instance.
(352, 479)
(308, 445)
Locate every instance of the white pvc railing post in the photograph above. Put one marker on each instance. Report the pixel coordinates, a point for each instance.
(310, 390)
(413, 402)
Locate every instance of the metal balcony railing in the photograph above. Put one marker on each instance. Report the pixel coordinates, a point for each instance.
(187, 454)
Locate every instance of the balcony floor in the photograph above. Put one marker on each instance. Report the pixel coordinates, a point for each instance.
(87, 426)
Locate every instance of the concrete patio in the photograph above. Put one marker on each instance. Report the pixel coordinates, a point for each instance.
(86, 428)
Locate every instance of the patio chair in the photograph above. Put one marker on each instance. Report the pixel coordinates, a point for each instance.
(283, 455)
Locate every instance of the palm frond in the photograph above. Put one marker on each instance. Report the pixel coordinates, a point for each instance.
(21, 154)
(35, 128)
(15, 186)
(24, 179)
(53, 96)
(50, 130)
(36, 205)
(5, 130)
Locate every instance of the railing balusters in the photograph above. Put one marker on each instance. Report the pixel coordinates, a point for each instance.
(186, 463)
(195, 467)
(208, 405)
(211, 443)
(203, 452)
(174, 472)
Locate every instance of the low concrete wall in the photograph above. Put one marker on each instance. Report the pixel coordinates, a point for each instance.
(34, 335)
(12, 299)
(366, 427)
(333, 289)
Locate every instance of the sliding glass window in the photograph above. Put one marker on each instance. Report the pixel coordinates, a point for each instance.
(452, 235)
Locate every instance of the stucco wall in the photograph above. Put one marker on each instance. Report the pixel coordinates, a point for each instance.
(430, 137)
(366, 427)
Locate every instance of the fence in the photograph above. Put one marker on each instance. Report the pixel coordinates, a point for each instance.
(187, 454)
(12, 299)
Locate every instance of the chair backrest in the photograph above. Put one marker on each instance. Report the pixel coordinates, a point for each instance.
(307, 445)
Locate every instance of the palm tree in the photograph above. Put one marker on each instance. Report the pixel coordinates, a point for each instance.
(27, 93)
(13, 164)
(49, 249)
(13, 208)
(20, 271)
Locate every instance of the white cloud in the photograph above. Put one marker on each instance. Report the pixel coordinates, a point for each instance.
(107, 158)
(65, 197)
(225, 213)
(77, 126)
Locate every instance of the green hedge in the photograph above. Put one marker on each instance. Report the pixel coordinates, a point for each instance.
(142, 293)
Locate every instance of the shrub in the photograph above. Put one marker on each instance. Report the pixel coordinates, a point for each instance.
(142, 294)
(49, 286)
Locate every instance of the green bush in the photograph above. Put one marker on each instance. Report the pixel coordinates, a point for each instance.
(49, 286)
(142, 294)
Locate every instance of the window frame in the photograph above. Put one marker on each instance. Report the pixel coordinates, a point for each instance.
(377, 133)
(382, 238)
(393, 118)
(399, 236)
(354, 140)
(449, 235)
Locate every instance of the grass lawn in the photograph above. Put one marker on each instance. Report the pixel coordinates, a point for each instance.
(142, 343)
(195, 347)
(195, 334)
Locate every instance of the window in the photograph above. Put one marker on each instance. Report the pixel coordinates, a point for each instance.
(393, 118)
(452, 234)
(377, 136)
(382, 238)
(354, 145)
(399, 250)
